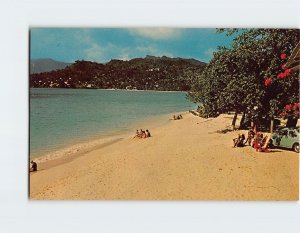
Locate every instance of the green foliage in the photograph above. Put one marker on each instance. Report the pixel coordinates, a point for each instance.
(150, 73)
(234, 80)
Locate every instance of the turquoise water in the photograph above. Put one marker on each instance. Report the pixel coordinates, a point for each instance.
(59, 117)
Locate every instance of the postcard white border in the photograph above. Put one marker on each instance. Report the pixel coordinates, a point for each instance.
(17, 214)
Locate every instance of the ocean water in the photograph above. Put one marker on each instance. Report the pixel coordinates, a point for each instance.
(60, 117)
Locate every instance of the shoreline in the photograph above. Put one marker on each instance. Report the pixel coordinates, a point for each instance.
(186, 159)
(72, 150)
(107, 89)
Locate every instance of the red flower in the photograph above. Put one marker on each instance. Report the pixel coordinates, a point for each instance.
(296, 112)
(283, 66)
(284, 74)
(283, 56)
(287, 72)
(268, 81)
(281, 75)
(288, 107)
(296, 105)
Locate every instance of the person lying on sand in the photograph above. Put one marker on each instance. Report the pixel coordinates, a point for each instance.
(33, 167)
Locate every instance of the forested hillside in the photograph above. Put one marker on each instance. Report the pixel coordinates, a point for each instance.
(149, 73)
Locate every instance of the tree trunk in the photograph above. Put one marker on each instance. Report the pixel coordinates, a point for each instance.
(252, 123)
(272, 125)
(234, 120)
(242, 120)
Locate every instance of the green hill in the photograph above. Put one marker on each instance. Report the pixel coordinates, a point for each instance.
(149, 73)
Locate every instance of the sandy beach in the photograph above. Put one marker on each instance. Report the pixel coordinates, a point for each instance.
(186, 159)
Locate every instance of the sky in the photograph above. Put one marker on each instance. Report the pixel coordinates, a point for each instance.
(103, 44)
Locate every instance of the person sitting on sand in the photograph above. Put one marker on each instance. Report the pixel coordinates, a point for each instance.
(180, 116)
(235, 140)
(33, 167)
(262, 143)
(239, 141)
(255, 139)
(148, 135)
(258, 141)
(266, 143)
(174, 117)
(137, 134)
(143, 134)
(250, 136)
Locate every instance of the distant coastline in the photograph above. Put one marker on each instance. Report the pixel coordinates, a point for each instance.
(104, 89)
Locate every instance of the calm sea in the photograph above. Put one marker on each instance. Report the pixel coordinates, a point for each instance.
(59, 117)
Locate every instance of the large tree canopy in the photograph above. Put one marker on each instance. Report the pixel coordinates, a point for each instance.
(244, 76)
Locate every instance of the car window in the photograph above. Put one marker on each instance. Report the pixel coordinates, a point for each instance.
(292, 134)
(283, 132)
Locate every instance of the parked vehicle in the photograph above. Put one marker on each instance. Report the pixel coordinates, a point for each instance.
(286, 138)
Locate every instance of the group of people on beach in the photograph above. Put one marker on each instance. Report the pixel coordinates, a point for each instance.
(257, 140)
(142, 134)
(178, 117)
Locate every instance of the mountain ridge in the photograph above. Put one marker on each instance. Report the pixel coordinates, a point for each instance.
(149, 73)
(40, 65)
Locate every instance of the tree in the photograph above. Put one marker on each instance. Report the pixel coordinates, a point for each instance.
(235, 79)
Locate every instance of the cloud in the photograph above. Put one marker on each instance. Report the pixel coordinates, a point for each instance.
(128, 53)
(94, 53)
(210, 52)
(207, 55)
(71, 44)
(103, 53)
(82, 36)
(156, 33)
